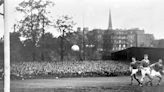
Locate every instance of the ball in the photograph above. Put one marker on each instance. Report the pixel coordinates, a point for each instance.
(75, 48)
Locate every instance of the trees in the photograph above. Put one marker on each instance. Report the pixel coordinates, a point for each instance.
(1, 2)
(15, 46)
(64, 24)
(46, 45)
(107, 44)
(32, 25)
(1, 50)
(94, 44)
(161, 43)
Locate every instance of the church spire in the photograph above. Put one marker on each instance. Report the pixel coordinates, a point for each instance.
(110, 20)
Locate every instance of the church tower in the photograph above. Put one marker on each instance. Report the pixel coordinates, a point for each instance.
(110, 21)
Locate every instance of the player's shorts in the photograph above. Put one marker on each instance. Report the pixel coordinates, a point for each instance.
(155, 73)
(145, 70)
(134, 71)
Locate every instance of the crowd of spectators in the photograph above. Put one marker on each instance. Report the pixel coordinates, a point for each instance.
(25, 70)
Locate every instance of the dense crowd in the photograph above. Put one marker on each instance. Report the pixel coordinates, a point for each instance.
(68, 69)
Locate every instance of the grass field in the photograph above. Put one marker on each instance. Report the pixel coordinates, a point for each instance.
(94, 84)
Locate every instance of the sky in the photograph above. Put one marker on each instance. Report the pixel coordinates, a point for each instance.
(126, 14)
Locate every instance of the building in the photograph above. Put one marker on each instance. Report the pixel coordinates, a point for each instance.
(110, 20)
(158, 43)
(125, 38)
(122, 39)
(113, 40)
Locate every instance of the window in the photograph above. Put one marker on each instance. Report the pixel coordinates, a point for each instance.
(124, 45)
(131, 45)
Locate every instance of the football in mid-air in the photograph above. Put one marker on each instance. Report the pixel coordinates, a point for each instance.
(75, 48)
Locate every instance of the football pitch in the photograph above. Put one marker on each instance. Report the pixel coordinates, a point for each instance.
(90, 84)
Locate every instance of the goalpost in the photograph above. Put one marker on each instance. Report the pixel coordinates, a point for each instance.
(6, 48)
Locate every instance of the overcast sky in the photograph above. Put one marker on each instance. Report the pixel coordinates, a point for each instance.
(143, 14)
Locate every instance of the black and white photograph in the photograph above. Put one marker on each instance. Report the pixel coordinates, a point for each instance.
(81, 45)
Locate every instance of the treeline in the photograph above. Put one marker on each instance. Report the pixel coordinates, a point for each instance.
(41, 45)
(49, 48)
